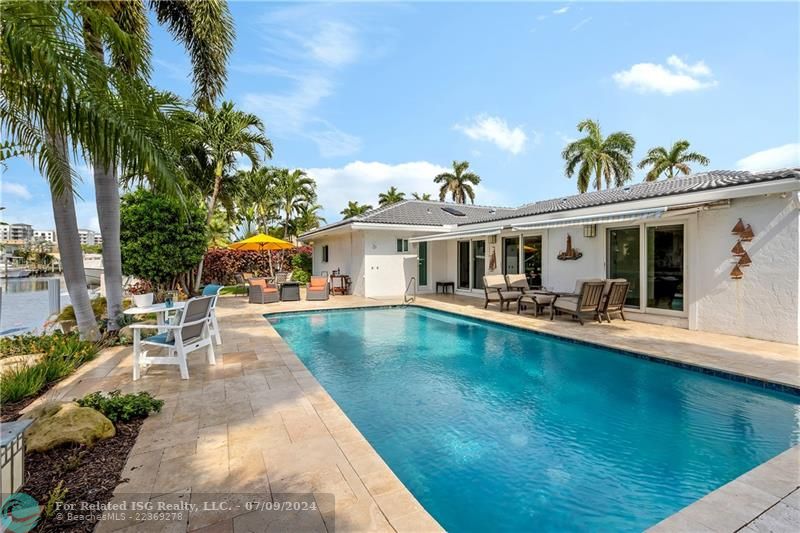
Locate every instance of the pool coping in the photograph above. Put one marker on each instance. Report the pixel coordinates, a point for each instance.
(660, 359)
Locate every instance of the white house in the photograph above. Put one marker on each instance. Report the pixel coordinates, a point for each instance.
(673, 240)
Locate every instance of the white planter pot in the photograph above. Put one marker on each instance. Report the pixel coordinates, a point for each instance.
(143, 300)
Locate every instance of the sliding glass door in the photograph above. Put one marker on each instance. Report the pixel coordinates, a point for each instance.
(478, 263)
(623, 260)
(511, 255)
(665, 267)
(463, 264)
(660, 271)
(532, 260)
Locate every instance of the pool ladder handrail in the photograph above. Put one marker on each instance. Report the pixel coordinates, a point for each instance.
(406, 299)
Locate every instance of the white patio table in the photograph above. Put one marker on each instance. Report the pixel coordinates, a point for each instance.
(160, 311)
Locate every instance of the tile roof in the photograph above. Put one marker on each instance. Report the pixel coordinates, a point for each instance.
(429, 213)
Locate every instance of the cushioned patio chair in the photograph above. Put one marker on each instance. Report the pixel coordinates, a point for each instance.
(614, 298)
(262, 292)
(517, 282)
(189, 333)
(213, 291)
(496, 291)
(587, 302)
(317, 289)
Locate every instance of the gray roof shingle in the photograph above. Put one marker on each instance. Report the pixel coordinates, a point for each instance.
(428, 213)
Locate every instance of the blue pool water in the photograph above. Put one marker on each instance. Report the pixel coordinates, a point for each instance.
(494, 428)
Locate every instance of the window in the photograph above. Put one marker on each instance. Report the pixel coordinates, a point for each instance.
(532, 260)
(463, 264)
(623, 260)
(665, 267)
(325, 254)
(511, 255)
(402, 245)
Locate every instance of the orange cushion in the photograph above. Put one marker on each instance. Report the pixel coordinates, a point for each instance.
(318, 282)
(259, 282)
(269, 289)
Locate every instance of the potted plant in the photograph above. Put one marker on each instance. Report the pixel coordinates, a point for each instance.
(142, 292)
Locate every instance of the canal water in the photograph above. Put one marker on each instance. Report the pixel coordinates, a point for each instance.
(25, 304)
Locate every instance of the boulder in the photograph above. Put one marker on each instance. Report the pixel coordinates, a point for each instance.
(67, 423)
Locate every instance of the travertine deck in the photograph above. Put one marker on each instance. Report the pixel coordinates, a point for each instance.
(259, 423)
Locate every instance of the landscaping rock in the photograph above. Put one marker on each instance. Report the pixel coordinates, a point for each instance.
(66, 423)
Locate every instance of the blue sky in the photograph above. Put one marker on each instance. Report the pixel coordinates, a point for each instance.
(369, 95)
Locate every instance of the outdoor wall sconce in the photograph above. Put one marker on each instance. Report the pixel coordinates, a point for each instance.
(571, 254)
(590, 230)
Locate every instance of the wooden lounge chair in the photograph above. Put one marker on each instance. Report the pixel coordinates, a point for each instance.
(496, 290)
(587, 302)
(614, 298)
(517, 282)
(189, 334)
(262, 292)
(317, 289)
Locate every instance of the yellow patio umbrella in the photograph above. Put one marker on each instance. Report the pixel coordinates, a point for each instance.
(260, 243)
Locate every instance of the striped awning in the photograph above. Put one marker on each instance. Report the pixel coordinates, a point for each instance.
(456, 235)
(605, 218)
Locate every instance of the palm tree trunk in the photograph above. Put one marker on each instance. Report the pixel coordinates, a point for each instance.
(286, 226)
(107, 199)
(69, 248)
(209, 215)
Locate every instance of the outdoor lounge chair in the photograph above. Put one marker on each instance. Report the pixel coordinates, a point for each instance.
(517, 282)
(496, 290)
(262, 292)
(317, 289)
(587, 302)
(616, 292)
(190, 333)
(213, 291)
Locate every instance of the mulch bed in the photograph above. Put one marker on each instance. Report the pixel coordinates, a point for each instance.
(88, 474)
(11, 411)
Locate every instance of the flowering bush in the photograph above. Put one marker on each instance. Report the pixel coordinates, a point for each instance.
(141, 287)
(221, 264)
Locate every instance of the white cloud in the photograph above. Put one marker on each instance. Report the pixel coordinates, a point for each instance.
(581, 24)
(677, 76)
(362, 181)
(786, 156)
(561, 10)
(495, 130)
(15, 189)
(308, 50)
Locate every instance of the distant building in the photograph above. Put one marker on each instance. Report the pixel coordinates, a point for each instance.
(16, 232)
(48, 235)
(89, 237)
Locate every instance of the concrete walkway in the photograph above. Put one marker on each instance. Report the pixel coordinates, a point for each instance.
(258, 424)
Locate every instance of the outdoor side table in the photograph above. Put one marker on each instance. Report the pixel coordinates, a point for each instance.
(445, 285)
(12, 455)
(290, 291)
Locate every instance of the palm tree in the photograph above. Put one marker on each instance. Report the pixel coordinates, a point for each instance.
(458, 183)
(225, 134)
(294, 191)
(257, 207)
(206, 30)
(424, 196)
(672, 160)
(308, 219)
(392, 196)
(52, 105)
(354, 209)
(604, 159)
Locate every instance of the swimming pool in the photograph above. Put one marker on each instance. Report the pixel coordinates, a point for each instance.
(493, 427)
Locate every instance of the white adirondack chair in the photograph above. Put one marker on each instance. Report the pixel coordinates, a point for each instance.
(191, 333)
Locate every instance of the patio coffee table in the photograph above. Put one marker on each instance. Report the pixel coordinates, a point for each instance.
(539, 298)
(290, 291)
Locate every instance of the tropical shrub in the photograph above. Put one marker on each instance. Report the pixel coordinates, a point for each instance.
(119, 407)
(301, 267)
(162, 240)
(221, 264)
(61, 355)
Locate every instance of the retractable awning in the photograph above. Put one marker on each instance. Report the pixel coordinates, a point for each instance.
(605, 218)
(456, 235)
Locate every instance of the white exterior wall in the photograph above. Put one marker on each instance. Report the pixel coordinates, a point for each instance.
(387, 271)
(764, 303)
